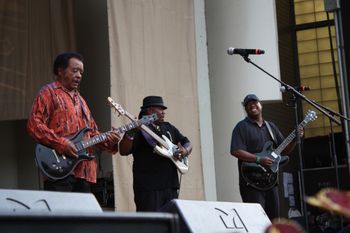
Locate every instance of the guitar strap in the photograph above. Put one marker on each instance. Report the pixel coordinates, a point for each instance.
(56, 100)
(85, 112)
(149, 139)
(53, 95)
(270, 132)
(275, 141)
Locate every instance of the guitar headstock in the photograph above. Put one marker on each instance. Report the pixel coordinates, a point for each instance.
(116, 106)
(148, 119)
(310, 116)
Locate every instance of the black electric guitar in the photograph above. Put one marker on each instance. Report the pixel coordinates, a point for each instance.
(58, 166)
(164, 148)
(263, 178)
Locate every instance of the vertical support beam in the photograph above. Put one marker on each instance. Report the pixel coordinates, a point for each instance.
(204, 102)
(335, 7)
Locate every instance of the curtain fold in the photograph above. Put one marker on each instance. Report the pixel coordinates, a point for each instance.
(31, 34)
(152, 47)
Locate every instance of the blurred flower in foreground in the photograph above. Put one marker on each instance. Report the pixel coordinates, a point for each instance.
(284, 226)
(333, 200)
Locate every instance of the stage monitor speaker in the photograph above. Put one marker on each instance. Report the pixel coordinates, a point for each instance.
(207, 216)
(12, 200)
(106, 222)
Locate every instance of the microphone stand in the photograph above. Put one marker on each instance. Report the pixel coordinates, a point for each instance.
(324, 110)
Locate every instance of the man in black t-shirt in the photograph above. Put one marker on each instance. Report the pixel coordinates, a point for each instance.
(156, 180)
(248, 138)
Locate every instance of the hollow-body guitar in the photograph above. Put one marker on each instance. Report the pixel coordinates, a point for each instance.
(263, 178)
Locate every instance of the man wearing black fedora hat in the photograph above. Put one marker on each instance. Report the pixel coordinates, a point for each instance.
(155, 177)
(249, 137)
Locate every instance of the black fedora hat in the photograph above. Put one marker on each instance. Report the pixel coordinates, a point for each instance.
(153, 101)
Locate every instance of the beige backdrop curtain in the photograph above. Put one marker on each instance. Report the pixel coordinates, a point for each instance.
(152, 48)
(31, 34)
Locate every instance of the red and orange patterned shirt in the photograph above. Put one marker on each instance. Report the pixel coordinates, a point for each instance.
(56, 115)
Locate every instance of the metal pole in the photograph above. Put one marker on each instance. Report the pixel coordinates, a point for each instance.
(335, 7)
(343, 77)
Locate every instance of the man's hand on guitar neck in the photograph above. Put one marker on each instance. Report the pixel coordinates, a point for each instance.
(131, 133)
(113, 138)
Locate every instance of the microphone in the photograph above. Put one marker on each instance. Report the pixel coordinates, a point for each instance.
(244, 52)
(298, 88)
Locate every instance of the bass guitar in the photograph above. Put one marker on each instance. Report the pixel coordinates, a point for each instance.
(263, 178)
(58, 166)
(164, 148)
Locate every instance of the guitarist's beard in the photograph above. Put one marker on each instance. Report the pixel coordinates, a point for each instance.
(159, 121)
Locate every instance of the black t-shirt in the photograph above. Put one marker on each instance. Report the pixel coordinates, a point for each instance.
(248, 136)
(150, 170)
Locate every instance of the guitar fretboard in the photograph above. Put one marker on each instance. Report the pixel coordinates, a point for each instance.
(289, 139)
(149, 131)
(82, 145)
(121, 111)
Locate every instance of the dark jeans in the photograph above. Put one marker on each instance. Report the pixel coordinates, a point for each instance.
(151, 201)
(269, 200)
(68, 184)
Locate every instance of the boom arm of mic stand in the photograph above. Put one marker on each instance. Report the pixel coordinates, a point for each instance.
(332, 111)
(318, 106)
(298, 94)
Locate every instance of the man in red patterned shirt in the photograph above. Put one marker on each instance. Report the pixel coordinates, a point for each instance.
(60, 111)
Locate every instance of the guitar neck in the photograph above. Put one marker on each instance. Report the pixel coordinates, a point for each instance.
(289, 139)
(103, 136)
(149, 131)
